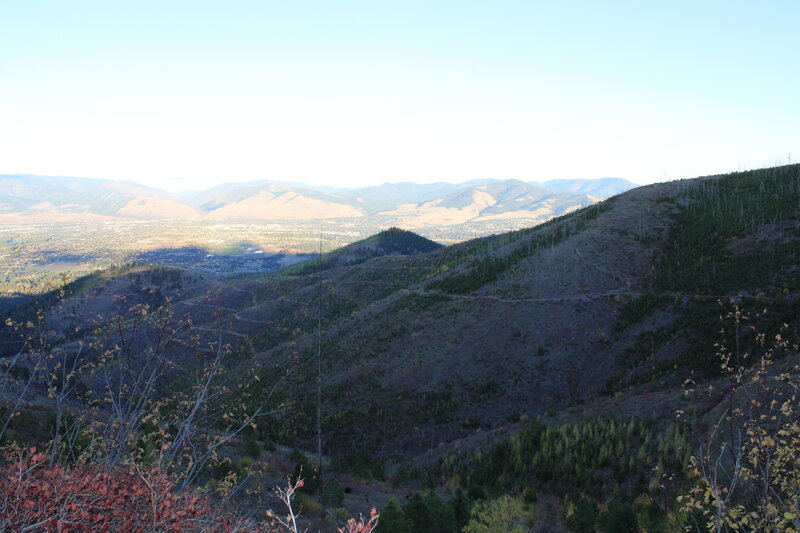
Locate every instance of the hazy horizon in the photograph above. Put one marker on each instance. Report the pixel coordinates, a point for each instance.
(356, 93)
(178, 185)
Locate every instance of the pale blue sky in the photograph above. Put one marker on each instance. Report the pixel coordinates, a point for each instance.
(353, 93)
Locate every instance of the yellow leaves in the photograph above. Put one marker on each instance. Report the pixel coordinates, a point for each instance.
(789, 516)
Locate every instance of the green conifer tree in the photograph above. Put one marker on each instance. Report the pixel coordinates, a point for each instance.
(418, 513)
(393, 519)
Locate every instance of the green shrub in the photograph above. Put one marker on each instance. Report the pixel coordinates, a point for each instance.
(251, 446)
(332, 493)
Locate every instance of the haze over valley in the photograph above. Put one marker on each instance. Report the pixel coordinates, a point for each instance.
(31, 199)
(55, 226)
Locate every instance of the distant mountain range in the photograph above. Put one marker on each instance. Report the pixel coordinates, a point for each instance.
(29, 198)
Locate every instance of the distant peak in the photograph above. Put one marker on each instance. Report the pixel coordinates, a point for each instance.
(400, 241)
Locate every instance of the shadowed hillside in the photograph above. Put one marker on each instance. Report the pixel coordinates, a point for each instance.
(555, 354)
(393, 241)
(525, 322)
(436, 342)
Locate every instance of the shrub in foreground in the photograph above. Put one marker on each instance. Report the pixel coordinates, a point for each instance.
(35, 496)
(79, 498)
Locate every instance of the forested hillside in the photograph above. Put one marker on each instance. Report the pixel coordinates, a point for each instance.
(565, 374)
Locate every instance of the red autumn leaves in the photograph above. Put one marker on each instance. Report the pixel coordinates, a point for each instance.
(79, 498)
(84, 498)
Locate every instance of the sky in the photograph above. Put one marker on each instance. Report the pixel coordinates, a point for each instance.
(188, 94)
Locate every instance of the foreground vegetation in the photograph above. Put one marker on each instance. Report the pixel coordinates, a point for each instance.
(152, 449)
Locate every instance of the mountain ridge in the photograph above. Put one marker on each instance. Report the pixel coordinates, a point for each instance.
(404, 204)
(568, 307)
(591, 302)
(553, 356)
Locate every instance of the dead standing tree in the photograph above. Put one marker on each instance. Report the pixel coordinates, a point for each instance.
(125, 368)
